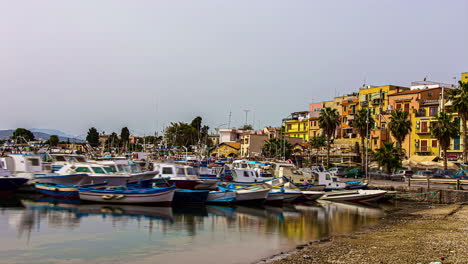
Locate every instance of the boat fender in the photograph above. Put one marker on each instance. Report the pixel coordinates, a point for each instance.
(107, 197)
(120, 197)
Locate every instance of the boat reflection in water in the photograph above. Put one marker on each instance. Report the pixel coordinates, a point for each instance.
(97, 233)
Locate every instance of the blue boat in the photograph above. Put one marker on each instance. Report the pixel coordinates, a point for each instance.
(126, 195)
(190, 196)
(63, 190)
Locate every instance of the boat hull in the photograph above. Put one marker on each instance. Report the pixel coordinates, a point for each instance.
(8, 184)
(355, 197)
(54, 191)
(275, 197)
(64, 179)
(310, 195)
(221, 197)
(190, 196)
(161, 197)
(251, 196)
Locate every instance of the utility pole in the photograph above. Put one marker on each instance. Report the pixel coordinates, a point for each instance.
(246, 114)
(229, 122)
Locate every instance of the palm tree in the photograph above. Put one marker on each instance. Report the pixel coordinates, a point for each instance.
(329, 120)
(274, 148)
(388, 156)
(361, 120)
(444, 130)
(399, 127)
(459, 100)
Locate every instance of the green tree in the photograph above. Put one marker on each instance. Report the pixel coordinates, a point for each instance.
(93, 137)
(362, 120)
(197, 123)
(459, 104)
(399, 127)
(124, 137)
(388, 156)
(276, 147)
(23, 133)
(112, 142)
(181, 134)
(246, 127)
(329, 120)
(444, 130)
(53, 140)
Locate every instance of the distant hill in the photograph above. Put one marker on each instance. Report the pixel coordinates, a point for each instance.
(41, 134)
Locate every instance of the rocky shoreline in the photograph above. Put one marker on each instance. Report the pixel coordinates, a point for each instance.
(413, 233)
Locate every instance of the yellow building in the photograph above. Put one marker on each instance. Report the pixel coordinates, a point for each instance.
(297, 125)
(464, 77)
(226, 149)
(375, 98)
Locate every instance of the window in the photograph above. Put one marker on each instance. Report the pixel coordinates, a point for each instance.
(398, 106)
(82, 169)
(433, 111)
(327, 177)
(407, 108)
(167, 170)
(60, 158)
(434, 144)
(424, 127)
(456, 143)
(180, 171)
(80, 159)
(289, 127)
(246, 174)
(191, 171)
(109, 169)
(98, 170)
(33, 162)
(344, 108)
(345, 119)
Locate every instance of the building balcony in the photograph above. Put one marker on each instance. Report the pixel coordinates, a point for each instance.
(381, 134)
(430, 102)
(365, 103)
(426, 132)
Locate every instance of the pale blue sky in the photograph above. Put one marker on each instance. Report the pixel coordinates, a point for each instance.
(74, 64)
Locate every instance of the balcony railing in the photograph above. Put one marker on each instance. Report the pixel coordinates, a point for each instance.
(430, 102)
(364, 103)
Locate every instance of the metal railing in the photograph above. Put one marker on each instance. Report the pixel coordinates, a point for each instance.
(428, 181)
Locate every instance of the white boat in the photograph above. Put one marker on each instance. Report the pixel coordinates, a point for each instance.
(275, 196)
(247, 175)
(310, 195)
(221, 197)
(252, 195)
(354, 196)
(182, 176)
(162, 196)
(291, 195)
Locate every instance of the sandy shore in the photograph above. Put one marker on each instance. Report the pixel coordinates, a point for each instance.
(417, 233)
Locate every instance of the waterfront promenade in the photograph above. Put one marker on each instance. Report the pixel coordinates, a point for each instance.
(418, 233)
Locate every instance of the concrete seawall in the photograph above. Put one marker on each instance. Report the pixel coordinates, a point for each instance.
(434, 195)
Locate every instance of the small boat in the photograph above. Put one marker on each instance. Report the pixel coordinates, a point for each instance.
(190, 196)
(183, 177)
(310, 195)
(125, 195)
(291, 195)
(247, 194)
(221, 197)
(352, 185)
(354, 196)
(63, 190)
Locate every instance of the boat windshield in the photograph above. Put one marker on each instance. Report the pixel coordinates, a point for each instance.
(180, 172)
(60, 158)
(98, 170)
(109, 169)
(80, 159)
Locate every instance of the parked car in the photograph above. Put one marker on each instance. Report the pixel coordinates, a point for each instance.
(401, 175)
(444, 174)
(338, 171)
(423, 174)
(355, 173)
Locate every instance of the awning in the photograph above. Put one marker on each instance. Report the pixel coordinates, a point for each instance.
(418, 159)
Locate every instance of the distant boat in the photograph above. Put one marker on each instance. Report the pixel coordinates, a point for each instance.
(354, 196)
(247, 194)
(123, 195)
(63, 190)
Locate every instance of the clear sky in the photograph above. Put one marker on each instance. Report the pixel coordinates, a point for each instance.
(70, 65)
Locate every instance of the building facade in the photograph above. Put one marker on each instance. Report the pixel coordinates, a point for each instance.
(297, 125)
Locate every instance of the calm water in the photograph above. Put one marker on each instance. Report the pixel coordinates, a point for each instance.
(52, 231)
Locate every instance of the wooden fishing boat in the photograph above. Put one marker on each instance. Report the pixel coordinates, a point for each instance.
(221, 197)
(63, 190)
(310, 195)
(247, 194)
(124, 195)
(275, 197)
(354, 196)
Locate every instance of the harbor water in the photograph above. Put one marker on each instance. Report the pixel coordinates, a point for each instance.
(45, 230)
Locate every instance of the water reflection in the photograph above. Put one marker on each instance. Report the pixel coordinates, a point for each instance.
(170, 229)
